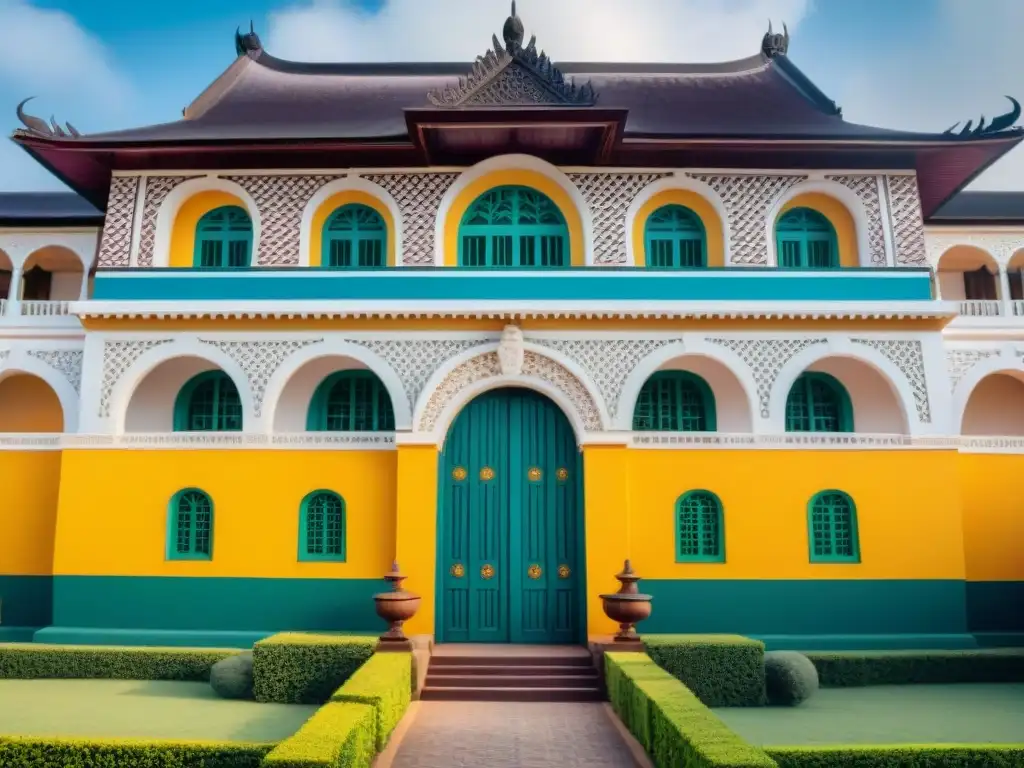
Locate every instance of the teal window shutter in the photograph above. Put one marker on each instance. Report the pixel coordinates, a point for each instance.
(190, 526)
(209, 402)
(513, 227)
(832, 528)
(700, 534)
(354, 236)
(224, 238)
(817, 402)
(351, 401)
(674, 238)
(675, 401)
(806, 239)
(322, 527)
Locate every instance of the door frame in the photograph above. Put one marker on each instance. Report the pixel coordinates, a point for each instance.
(581, 529)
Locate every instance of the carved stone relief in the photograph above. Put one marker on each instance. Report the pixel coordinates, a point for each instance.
(510, 351)
(67, 362)
(418, 196)
(908, 356)
(609, 196)
(116, 244)
(118, 357)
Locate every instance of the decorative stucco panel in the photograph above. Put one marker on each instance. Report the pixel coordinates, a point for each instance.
(116, 244)
(67, 362)
(960, 361)
(118, 357)
(907, 222)
(908, 356)
(157, 190)
(609, 196)
(418, 196)
(866, 189)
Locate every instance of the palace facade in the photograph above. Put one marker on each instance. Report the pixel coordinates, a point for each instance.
(511, 323)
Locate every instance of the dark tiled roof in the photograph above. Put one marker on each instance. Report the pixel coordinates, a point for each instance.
(982, 208)
(47, 209)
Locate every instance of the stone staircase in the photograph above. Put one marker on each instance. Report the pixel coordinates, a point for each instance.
(511, 673)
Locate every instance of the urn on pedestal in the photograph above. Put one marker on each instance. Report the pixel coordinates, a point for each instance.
(395, 607)
(627, 607)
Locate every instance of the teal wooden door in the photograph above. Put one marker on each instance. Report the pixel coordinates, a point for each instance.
(510, 530)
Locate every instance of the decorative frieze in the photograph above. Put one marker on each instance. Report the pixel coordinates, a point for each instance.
(118, 357)
(67, 362)
(1000, 247)
(157, 190)
(866, 189)
(747, 199)
(766, 358)
(418, 196)
(908, 356)
(609, 196)
(907, 221)
(116, 243)
(960, 361)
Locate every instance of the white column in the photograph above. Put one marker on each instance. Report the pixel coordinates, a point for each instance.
(1004, 291)
(83, 294)
(14, 294)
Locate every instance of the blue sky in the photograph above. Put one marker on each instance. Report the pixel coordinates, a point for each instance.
(109, 64)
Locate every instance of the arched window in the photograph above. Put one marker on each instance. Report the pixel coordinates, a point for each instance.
(818, 403)
(832, 528)
(190, 526)
(675, 401)
(351, 401)
(224, 238)
(805, 238)
(208, 402)
(322, 527)
(355, 236)
(674, 237)
(700, 535)
(513, 227)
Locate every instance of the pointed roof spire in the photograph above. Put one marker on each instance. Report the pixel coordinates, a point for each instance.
(513, 31)
(247, 43)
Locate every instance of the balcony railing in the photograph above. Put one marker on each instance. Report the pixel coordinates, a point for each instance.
(981, 308)
(44, 308)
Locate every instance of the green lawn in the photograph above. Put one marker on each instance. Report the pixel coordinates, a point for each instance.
(896, 714)
(140, 709)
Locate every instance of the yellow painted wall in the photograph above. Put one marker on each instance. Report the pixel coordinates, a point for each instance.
(518, 178)
(417, 529)
(30, 482)
(993, 514)
(839, 215)
(713, 230)
(27, 404)
(183, 233)
(112, 518)
(333, 203)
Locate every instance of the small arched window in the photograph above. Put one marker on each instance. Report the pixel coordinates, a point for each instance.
(190, 526)
(818, 403)
(805, 238)
(209, 402)
(675, 401)
(224, 238)
(351, 401)
(832, 528)
(355, 235)
(513, 227)
(674, 238)
(322, 527)
(700, 535)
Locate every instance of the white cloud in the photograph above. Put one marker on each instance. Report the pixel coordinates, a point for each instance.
(570, 30)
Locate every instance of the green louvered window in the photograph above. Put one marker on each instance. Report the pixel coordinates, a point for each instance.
(805, 238)
(675, 401)
(832, 528)
(224, 238)
(817, 402)
(351, 401)
(675, 239)
(355, 236)
(322, 527)
(190, 526)
(699, 530)
(208, 402)
(513, 227)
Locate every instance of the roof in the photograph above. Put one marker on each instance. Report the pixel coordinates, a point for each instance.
(978, 208)
(47, 209)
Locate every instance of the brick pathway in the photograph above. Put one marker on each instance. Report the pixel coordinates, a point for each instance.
(511, 735)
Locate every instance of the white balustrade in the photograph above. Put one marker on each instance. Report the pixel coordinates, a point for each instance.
(1017, 308)
(45, 308)
(981, 308)
(3, 307)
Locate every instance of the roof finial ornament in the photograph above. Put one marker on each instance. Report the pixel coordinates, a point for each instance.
(772, 44)
(40, 127)
(996, 125)
(247, 43)
(513, 31)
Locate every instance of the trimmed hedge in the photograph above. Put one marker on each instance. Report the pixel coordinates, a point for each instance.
(297, 668)
(901, 756)
(385, 683)
(339, 735)
(790, 678)
(669, 721)
(28, 661)
(21, 752)
(722, 670)
(859, 668)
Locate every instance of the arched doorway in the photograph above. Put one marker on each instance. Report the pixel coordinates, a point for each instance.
(510, 529)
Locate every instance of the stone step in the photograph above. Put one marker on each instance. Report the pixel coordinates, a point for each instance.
(445, 680)
(511, 694)
(498, 660)
(501, 669)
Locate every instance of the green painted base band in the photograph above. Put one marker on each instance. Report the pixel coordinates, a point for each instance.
(163, 638)
(17, 634)
(995, 606)
(26, 601)
(215, 604)
(807, 607)
(867, 642)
